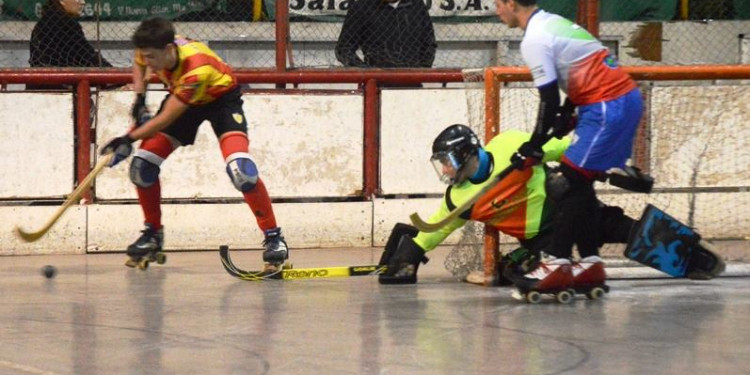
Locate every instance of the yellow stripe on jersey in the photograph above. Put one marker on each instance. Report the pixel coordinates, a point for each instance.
(201, 75)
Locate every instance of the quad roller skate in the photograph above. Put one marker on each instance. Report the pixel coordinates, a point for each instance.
(589, 277)
(552, 277)
(147, 248)
(276, 253)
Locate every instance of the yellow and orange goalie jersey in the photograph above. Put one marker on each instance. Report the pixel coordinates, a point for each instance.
(200, 77)
(515, 205)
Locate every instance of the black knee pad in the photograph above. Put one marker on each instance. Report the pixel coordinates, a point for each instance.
(398, 231)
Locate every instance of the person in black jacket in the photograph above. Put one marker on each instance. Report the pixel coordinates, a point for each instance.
(58, 40)
(390, 33)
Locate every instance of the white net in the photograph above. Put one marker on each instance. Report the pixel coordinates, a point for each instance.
(693, 139)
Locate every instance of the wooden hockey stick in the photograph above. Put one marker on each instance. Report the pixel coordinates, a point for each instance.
(296, 274)
(74, 197)
(424, 226)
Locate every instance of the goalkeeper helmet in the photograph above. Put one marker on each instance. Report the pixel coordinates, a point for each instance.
(452, 150)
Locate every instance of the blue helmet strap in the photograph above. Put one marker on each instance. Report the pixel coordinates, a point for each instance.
(485, 167)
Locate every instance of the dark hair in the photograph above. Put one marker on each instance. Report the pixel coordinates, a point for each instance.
(154, 32)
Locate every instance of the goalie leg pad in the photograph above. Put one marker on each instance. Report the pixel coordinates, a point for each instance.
(664, 243)
(705, 264)
(242, 171)
(403, 266)
(143, 172)
(398, 231)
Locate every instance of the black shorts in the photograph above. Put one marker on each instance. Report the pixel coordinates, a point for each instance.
(225, 115)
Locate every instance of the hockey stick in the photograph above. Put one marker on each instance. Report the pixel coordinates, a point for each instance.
(424, 226)
(72, 198)
(296, 274)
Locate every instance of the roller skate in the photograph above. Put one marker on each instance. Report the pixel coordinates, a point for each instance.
(276, 253)
(553, 276)
(147, 248)
(589, 277)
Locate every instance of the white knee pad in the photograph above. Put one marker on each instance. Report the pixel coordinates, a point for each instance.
(242, 171)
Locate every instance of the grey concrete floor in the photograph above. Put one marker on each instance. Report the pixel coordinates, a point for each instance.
(190, 317)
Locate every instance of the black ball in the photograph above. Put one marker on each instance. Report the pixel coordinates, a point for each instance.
(49, 271)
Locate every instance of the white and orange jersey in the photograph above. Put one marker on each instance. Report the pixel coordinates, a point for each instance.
(555, 48)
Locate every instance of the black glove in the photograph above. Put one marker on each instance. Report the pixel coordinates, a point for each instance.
(139, 111)
(528, 155)
(565, 121)
(122, 148)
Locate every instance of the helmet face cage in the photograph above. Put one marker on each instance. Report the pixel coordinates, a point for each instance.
(447, 166)
(451, 151)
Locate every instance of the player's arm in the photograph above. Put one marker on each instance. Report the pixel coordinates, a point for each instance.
(173, 108)
(139, 111)
(541, 61)
(139, 79)
(428, 241)
(549, 103)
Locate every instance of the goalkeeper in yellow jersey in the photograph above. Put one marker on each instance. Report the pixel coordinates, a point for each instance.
(518, 206)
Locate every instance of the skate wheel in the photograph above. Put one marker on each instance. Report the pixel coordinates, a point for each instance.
(533, 297)
(595, 293)
(131, 263)
(564, 297)
(143, 264)
(161, 258)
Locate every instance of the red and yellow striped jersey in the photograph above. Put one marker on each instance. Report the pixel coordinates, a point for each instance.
(200, 77)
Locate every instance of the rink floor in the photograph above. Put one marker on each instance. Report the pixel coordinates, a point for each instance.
(190, 317)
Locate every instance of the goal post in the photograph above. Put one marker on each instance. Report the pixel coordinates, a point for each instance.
(694, 139)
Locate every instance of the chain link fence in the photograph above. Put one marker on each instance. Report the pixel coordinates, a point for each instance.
(418, 33)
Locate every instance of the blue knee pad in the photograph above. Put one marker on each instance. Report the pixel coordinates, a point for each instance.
(143, 173)
(243, 172)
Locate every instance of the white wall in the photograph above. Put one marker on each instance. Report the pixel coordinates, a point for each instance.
(309, 146)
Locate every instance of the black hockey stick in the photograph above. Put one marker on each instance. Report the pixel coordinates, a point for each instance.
(424, 226)
(301, 273)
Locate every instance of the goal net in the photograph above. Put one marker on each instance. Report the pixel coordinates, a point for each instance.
(693, 139)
